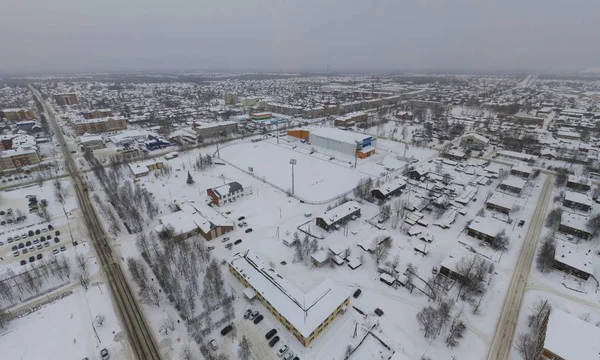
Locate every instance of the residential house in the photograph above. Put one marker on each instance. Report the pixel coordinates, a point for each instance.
(512, 184)
(389, 189)
(575, 225)
(578, 183)
(229, 192)
(341, 214)
(571, 261)
(577, 201)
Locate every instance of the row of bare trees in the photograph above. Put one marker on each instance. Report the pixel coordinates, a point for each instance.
(130, 201)
(435, 318)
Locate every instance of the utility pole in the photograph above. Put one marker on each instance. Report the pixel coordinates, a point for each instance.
(293, 162)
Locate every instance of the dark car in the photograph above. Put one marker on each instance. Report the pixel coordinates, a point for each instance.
(15, 248)
(357, 293)
(21, 245)
(270, 334)
(28, 243)
(56, 233)
(23, 262)
(226, 330)
(238, 241)
(241, 218)
(30, 233)
(258, 319)
(39, 256)
(31, 259)
(274, 341)
(296, 358)
(50, 227)
(37, 231)
(56, 240)
(521, 223)
(249, 230)
(378, 311)
(104, 354)
(49, 237)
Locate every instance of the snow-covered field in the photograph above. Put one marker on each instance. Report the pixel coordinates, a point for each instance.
(66, 329)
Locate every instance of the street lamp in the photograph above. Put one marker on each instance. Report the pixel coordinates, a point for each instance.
(358, 143)
(293, 162)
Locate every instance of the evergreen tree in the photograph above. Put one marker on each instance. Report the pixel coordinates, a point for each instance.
(190, 181)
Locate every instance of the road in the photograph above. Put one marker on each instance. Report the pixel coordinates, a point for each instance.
(140, 335)
(507, 324)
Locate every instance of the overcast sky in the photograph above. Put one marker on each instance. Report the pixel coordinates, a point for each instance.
(296, 35)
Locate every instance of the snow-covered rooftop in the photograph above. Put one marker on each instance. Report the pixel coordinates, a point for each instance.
(570, 337)
(574, 221)
(502, 200)
(340, 212)
(486, 226)
(391, 186)
(514, 182)
(567, 253)
(305, 311)
(340, 135)
(478, 137)
(578, 180)
(578, 198)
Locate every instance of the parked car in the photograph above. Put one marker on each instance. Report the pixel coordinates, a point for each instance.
(247, 313)
(48, 237)
(63, 248)
(28, 243)
(37, 231)
(56, 240)
(357, 293)
(274, 341)
(31, 259)
(288, 355)
(213, 345)
(23, 262)
(270, 334)
(56, 233)
(237, 242)
(226, 239)
(36, 241)
(50, 227)
(24, 251)
(229, 246)
(16, 253)
(55, 251)
(521, 223)
(17, 237)
(226, 330)
(46, 244)
(21, 245)
(104, 354)
(282, 350)
(254, 314)
(209, 248)
(258, 319)
(378, 311)
(15, 248)
(39, 256)
(249, 230)
(31, 233)
(9, 240)
(434, 270)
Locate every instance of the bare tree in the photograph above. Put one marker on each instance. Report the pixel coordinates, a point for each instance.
(381, 248)
(167, 325)
(500, 241)
(456, 332)
(428, 318)
(553, 218)
(186, 353)
(81, 262)
(593, 225)
(100, 319)
(244, 350)
(545, 257)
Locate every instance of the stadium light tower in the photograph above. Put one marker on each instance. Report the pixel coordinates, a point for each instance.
(293, 162)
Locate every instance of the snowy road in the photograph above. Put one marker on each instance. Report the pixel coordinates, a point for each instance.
(507, 324)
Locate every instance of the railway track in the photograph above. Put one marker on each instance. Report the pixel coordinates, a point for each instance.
(140, 335)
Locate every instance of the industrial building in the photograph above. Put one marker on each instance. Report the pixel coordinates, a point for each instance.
(17, 114)
(350, 119)
(65, 99)
(98, 125)
(305, 315)
(15, 159)
(91, 142)
(207, 130)
(346, 142)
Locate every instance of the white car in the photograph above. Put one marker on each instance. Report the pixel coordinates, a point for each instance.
(16, 253)
(213, 345)
(288, 356)
(282, 350)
